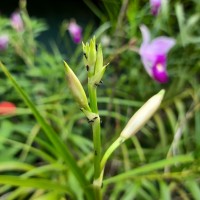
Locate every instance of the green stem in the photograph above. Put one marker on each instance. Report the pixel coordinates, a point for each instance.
(110, 150)
(96, 129)
(107, 154)
(97, 146)
(93, 97)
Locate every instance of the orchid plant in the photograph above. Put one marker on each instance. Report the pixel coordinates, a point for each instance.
(93, 59)
(56, 160)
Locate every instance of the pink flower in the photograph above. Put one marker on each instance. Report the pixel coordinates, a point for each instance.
(75, 31)
(154, 54)
(16, 21)
(155, 6)
(3, 42)
(7, 108)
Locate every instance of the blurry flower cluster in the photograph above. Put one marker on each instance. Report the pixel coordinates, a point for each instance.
(17, 24)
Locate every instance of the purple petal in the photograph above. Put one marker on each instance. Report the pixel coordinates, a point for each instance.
(147, 65)
(3, 42)
(159, 71)
(144, 52)
(161, 45)
(145, 34)
(75, 31)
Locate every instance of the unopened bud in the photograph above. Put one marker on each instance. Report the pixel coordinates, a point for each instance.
(90, 52)
(99, 61)
(138, 120)
(76, 88)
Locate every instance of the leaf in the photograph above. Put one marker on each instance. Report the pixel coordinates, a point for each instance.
(164, 191)
(14, 165)
(193, 187)
(33, 183)
(182, 159)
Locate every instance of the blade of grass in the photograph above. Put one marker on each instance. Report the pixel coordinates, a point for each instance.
(33, 183)
(15, 165)
(150, 167)
(59, 146)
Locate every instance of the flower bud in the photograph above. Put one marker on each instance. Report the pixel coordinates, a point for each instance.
(75, 31)
(76, 88)
(17, 22)
(138, 120)
(89, 50)
(96, 79)
(99, 61)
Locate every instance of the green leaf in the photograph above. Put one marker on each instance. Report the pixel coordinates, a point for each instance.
(164, 191)
(194, 188)
(14, 165)
(33, 183)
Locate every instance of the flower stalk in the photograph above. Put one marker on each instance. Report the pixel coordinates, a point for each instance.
(93, 59)
(136, 122)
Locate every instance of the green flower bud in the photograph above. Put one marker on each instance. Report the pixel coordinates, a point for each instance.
(89, 50)
(138, 120)
(99, 61)
(76, 88)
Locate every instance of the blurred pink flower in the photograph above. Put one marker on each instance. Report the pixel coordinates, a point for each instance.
(154, 54)
(16, 21)
(75, 31)
(155, 6)
(3, 42)
(7, 108)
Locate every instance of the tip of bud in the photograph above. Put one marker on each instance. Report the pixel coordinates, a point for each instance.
(67, 68)
(162, 92)
(138, 120)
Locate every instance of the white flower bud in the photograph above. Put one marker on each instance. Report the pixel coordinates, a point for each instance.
(138, 120)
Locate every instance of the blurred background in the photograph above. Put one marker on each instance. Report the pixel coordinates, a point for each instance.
(163, 157)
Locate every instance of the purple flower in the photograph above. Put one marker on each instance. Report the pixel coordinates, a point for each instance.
(155, 6)
(3, 42)
(75, 31)
(16, 21)
(154, 55)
